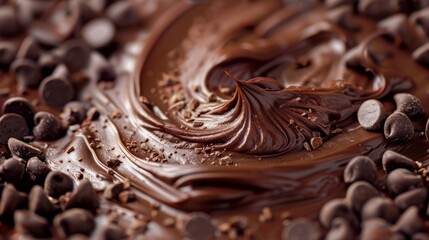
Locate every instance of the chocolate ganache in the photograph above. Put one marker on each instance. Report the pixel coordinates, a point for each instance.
(234, 108)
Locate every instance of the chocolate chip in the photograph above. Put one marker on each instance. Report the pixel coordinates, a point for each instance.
(9, 25)
(74, 221)
(359, 193)
(93, 114)
(100, 69)
(198, 227)
(301, 229)
(340, 229)
(113, 190)
(27, 72)
(415, 197)
(122, 13)
(57, 184)
(40, 204)
(360, 168)
(376, 228)
(29, 49)
(98, 33)
(421, 19)
(378, 8)
(7, 52)
(392, 160)
(421, 55)
(12, 125)
(11, 200)
(408, 104)
(380, 207)
(23, 150)
(75, 54)
(336, 208)
(371, 115)
(56, 90)
(398, 127)
(48, 62)
(36, 171)
(401, 180)
(398, 25)
(12, 170)
(74, 113)
(31, 224)
(84, 197)
(409, 222)
(20, 106)
(47, 126)
(113, 233)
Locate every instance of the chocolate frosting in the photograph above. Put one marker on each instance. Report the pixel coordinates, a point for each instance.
(214, 109)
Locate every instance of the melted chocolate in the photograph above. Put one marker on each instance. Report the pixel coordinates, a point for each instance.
(267, 78)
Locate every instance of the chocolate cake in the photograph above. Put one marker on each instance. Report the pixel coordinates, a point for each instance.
(244, 119)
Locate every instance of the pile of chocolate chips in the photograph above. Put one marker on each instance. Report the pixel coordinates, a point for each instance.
(53, 49)
(392, 207)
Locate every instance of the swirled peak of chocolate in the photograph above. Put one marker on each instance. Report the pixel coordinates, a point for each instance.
(267, 82)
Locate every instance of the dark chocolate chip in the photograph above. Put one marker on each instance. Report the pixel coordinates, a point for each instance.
(29, 49)
(401, 180)
(340, 230)
(371, 115)
(360, 168)
(122, 13)
(113, 233)
(48, 127)
(301, 229)
(40, 204)
(11, 200)
(48, 62)
(74, 113)
(421, 19)
(359, 193)
(408, 104)
(98, 33)
(380, 207)
(7, 52)
(421, 55)
(198, 227)
(398, 25)
(415, 197)
(27, 72)
(409, 222)
(100, 69)
(378, 8)
(12, 170)
(45, 35)
(113, 190)
(32, 224)
(84, 197)
(57, 184)
(75, 54)
(376, 228)
(20, 106)
(74, 221)
(9, 25)
(23, 150)
(398, 127)
(336, 208)
(36, 171)
(56, 90)
(12, 125)
(392, 160)
(93, 114)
